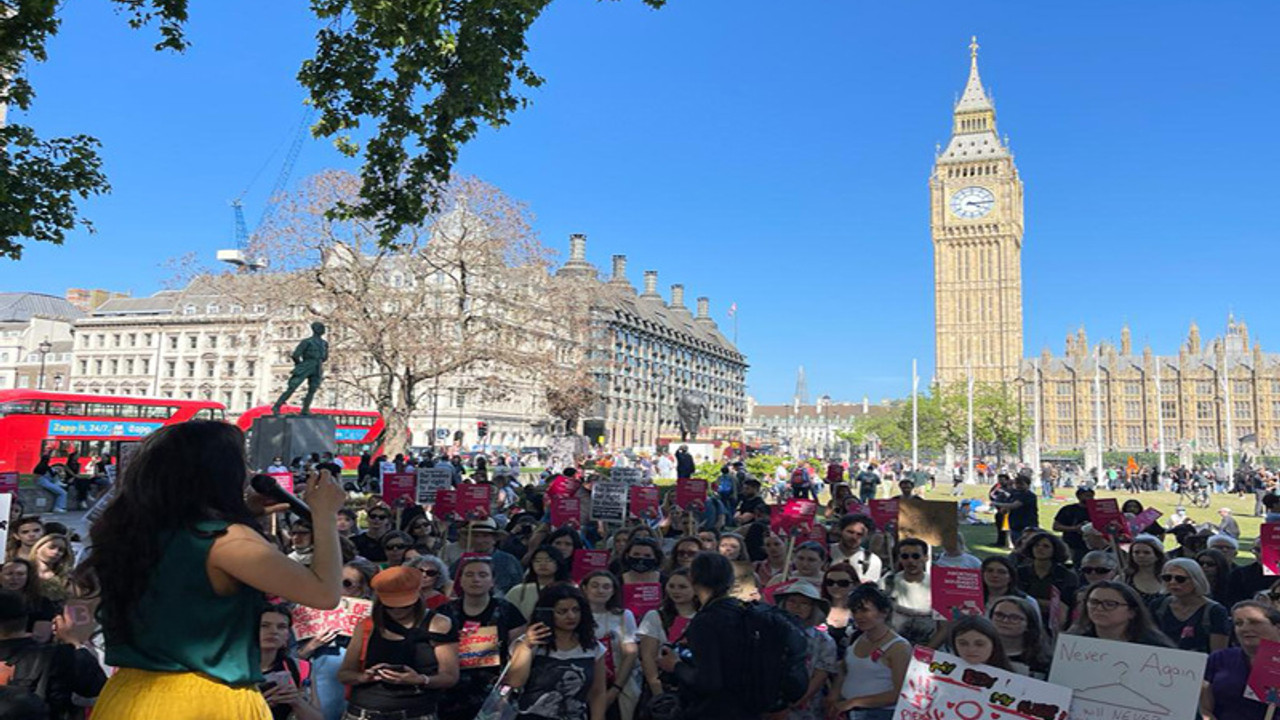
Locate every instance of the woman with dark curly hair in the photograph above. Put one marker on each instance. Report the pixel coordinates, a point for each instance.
(179, 541)
(1044, 576)
(558, 663)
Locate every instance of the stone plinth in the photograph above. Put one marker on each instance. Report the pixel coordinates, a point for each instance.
(290, 436)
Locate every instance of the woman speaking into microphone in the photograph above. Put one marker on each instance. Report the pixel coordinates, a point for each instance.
(183, 570)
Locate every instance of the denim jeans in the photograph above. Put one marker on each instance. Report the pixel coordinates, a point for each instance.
(55, 487)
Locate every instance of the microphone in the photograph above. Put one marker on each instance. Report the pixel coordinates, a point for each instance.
(267, 486)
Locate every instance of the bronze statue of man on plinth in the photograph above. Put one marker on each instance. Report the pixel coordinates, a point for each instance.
(308, 364)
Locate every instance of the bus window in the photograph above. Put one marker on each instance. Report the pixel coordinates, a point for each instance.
(208, 414)
(158, 412)
(19, 407)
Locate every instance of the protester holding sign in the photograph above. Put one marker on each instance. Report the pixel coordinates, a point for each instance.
(1227, 674)
(616, 631)
(487, 627)
(326, 650)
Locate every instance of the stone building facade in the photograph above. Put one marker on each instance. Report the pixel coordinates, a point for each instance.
(35, 341)
(810, 430)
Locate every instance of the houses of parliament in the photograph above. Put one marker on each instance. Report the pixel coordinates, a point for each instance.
(1214, 394)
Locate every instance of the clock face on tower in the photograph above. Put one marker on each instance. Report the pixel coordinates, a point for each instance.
(972, 202)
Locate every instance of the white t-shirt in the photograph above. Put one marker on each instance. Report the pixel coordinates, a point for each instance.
(618, 630)
(868, 564)
(963, 560)
(651, 627)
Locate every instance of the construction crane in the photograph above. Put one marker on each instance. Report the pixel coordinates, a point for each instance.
(239, 256)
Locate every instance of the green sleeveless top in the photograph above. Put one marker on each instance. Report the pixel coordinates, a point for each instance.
(182, 625)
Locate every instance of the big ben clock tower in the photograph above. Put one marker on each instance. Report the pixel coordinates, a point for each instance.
(976, 204)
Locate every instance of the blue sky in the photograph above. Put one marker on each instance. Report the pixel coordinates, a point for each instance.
(777, 159)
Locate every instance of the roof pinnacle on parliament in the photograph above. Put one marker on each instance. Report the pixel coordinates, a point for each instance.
(974, 96)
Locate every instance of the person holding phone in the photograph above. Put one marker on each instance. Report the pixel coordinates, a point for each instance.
(403, 656)
(559, 663)
(181, 540)
(281, 684)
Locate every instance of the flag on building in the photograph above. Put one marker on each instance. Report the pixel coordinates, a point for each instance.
(733, 309)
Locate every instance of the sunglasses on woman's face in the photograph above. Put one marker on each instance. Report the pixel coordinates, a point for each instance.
(1170, 578)
(396, 547)
(839, 583)
(379, 516)
(350, 583)
(431, 572)
(1095, 570)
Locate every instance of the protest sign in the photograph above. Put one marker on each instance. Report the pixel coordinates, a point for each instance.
(933, 521)
(446, 505)
(473, 501)
(640, 598)
(627, 475)
(691, 494)
(1106, 517)
(399, 489)
(1269, 539)
(609, 501)
(478, 646)
(1143, 520)
(432, 480)
(884, 513)
(310, 622)
(1264, 677)
(566, 511)
(795, 517)
(644, 502)
(586, 562)
(8, 482)
(956, 591)
(283, 479)
(1113, 679)
(941, 686)
(854, 506)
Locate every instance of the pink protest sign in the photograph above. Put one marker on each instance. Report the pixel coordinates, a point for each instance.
(399, 489)
(1143, 520)
(283, 479)
(1264, 678)
(955, 591)
(8, 482)
(884, 512)
(640, 598)
(446, 505)
(1269, 539)
(794, 518)
(644, 502)
(691, 494)
(1106, 517)
(473, 501)
(853, 506)
(309, 622)
(586, 562)
(566, 511)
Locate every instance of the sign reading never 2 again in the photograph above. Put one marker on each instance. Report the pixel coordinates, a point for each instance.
(91, 428)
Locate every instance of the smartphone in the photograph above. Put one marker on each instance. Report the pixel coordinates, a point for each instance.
(546, 616)
(263, 687)
(396, 668)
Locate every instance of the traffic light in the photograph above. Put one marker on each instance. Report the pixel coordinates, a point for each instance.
(482, 428)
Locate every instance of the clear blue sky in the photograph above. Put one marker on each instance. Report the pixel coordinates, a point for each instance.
(772, 154)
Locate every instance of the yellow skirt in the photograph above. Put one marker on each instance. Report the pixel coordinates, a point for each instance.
(133, 694)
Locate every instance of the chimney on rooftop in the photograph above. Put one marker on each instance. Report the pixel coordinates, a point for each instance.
(619, 268)
(677, 296)
(651, 283)
(577, 247)
(704, 307)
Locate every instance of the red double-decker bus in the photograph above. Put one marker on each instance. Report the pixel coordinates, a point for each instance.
(34, 422)
(357, 431)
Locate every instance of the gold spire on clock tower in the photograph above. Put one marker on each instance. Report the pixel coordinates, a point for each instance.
(976, 219)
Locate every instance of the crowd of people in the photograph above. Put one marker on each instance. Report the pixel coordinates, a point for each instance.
(187, 590)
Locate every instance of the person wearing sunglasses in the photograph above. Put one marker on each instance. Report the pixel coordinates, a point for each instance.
(909, 590)
(394, 546)
(435, 579)
(837, 583)
(685, 550)
(325, 651)
(425, 538)
(369, 542)
(1227, 671)
(1217, 570)
(1187, 615)
(1113, 611)
(488, 626)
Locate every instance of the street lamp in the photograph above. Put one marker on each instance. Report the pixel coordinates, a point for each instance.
(43, 348)
(57, 382)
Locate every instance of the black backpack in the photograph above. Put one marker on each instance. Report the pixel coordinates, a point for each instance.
(777, 675)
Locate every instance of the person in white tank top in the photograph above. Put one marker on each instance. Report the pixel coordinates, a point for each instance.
(875, 664)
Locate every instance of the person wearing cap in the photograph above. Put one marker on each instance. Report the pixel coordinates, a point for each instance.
(403, 656)
(165, 553)
(483, 536)
(802, 599)
(1069, 521)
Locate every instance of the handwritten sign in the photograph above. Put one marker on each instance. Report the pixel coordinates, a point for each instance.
(955, 591)
(432, 480)
(941, 686)
(609, 501)
(399, 489)
(586, 562)
(1120, 679)
(1269, 539)
(691, 495)
(8, 482)
(310, 622)
(1143, 520)
(566, 511)
(1264, 678)
(1106, 517)
(473, 501)
(640, 598)
(283, 479)
(884, 512)
(644, 502)
(626, 476)
(478, 646)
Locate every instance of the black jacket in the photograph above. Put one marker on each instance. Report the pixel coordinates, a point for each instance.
(685, 467)
(712, 686)
(45, 670)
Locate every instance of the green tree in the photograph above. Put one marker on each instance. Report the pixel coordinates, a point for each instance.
(887, 426)
(424, 75)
